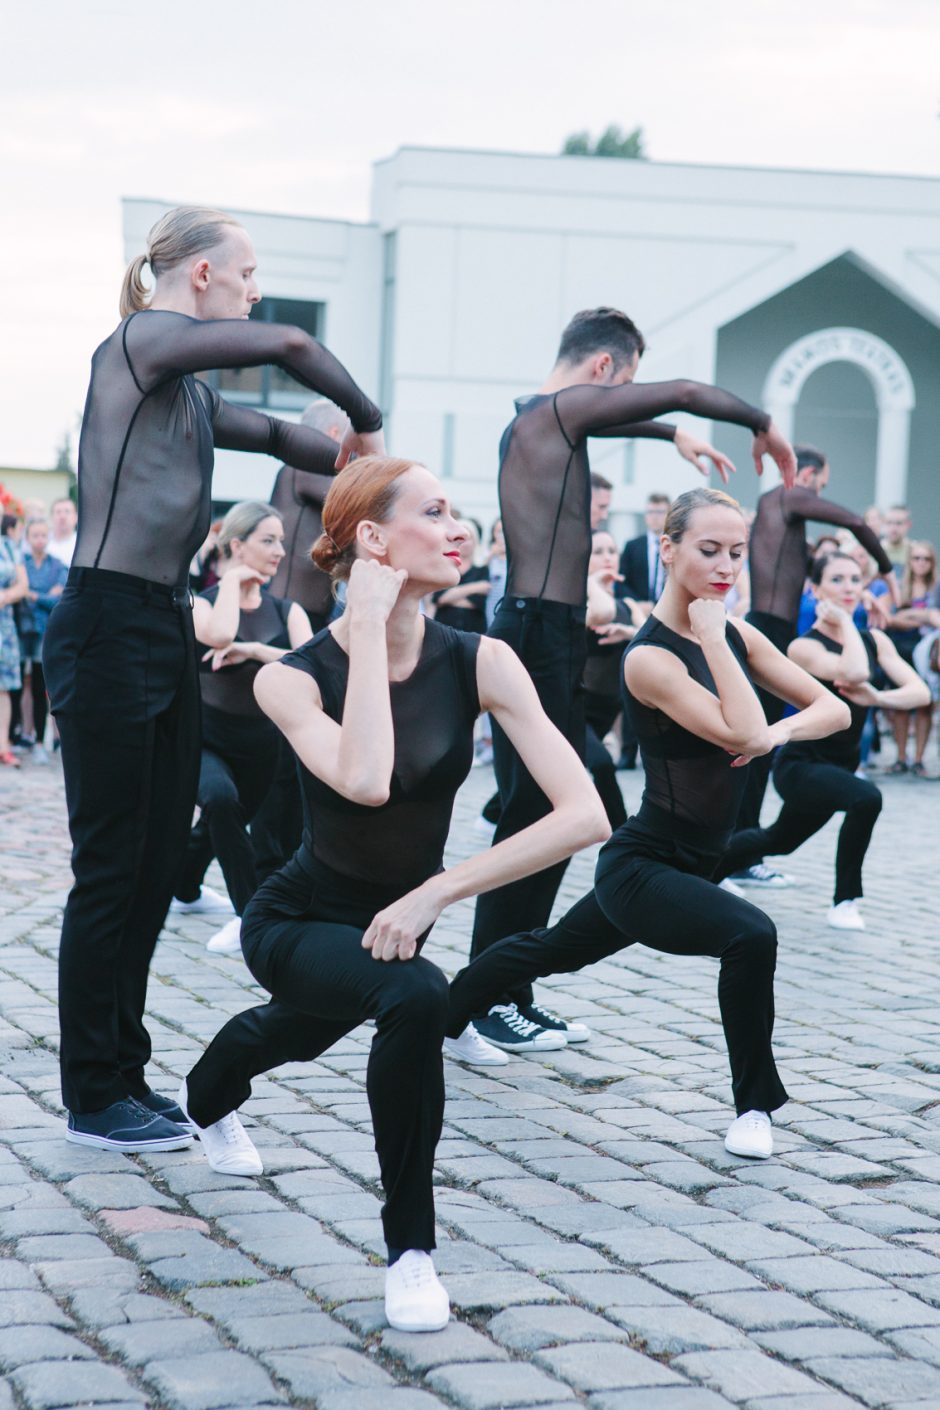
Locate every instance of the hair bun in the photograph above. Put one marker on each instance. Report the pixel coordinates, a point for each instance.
(325, 553)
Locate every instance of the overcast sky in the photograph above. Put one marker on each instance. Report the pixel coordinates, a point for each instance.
(284, 106)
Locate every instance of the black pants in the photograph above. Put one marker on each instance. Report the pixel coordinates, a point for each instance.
(811, 793)
(549, 639)
(236, 771)
(301, 937)
(654, 890)
(781, 633)
(120, 665)
(600, 712)
(40, 701)
(277, 826)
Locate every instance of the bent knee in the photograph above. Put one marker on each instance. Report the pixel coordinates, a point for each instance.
(420, 991)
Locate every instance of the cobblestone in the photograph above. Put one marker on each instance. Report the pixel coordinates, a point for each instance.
(599, 1245)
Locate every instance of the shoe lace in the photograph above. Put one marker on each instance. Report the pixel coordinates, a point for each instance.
(754, 1120)
(514, 1020)
(229, 1129)
(763, 872)
(415, 1272)
(542, 1012)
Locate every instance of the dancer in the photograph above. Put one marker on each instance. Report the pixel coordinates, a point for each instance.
(244, 626)
(688, 674)
(380, 709)
(119, 653)
(816, 778)
(778, 558)
(611, 623)
(544, 495)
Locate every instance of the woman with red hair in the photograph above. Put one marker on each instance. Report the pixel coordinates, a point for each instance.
(380, 709)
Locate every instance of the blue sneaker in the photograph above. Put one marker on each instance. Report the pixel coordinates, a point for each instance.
(165, 1107)
(126, 1126)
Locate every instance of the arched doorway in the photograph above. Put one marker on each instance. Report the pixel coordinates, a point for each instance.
(889, 377)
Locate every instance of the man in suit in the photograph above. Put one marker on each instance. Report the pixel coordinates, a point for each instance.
(643, 578)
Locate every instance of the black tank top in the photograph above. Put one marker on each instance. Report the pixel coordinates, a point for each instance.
(842, 748)
(689, 781)
(231, 689)
(400, 843)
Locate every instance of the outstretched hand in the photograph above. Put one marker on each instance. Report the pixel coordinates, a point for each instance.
(773, 443)
(359, 443)
(692, 450)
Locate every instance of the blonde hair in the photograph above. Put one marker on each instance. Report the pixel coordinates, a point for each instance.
(179, 235)
(241, 521)
(908, 577)
(682, 509)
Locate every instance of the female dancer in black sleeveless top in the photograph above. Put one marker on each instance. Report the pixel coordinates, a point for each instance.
(244, 626)
(379, 709)
(689, 689)
(816, 778)
(119, 654)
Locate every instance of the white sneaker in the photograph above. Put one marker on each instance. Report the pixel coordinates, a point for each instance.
(846, 916)
(471, 1048)
(228, 940)
(415, 1300)
(732, 888)
(207, 900)
(751, 1134)
(226, 1144)
(39, 755)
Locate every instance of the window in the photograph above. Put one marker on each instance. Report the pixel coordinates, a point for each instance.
(269, 386)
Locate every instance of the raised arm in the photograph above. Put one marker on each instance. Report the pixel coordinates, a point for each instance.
(819, 712)
(586, 410)
(803, 503)
(162, 344)
(851, 663)
(216, 623)
(577, 818)
(690, 447)
(354, 758)
(240, 428)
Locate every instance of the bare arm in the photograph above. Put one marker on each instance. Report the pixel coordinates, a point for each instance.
(17, 590)
(216, 623)
(819, 712)
(910, 693)
(354, 758)
(851, 663)
(577, 818)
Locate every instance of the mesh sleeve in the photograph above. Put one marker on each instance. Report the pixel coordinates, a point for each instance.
(588, 410)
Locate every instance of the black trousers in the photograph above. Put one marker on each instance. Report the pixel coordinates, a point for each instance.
(277, 826)
(600, 713)
(301, 938)
(811, 793)
(653, 890)
(120, 664)
(40, 701)
(549, 639)
(781, 633)
(237, 767)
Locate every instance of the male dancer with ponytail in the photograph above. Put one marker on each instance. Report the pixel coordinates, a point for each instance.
(119, 652)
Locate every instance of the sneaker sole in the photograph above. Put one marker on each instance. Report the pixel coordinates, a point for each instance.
(221, 1169)
(107, 1143)
(426, 1326)
(537, 1046)
(477, 1062)
(749, 1155)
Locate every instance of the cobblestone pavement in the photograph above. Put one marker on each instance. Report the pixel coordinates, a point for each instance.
(599, 1246)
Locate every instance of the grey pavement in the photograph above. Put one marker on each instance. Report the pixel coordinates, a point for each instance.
(600, 1247)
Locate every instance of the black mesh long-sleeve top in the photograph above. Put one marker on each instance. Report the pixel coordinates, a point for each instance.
(544, 475)
(778, 556)
(298, 497)
(146, 450)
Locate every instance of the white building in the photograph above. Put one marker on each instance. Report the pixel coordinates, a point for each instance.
(815, 294)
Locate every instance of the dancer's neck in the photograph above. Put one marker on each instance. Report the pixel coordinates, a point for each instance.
(404, 634)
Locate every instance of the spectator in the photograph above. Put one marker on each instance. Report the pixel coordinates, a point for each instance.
(46, 577)
(602, 492)
(463, 606)
(896, 540)
(875, 520)
(917, 615)
(496, 563)
(611, 622)
(642, 578)
(13, 588)
(64, 530)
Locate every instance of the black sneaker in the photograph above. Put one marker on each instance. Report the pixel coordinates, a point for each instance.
(165, 1107)
(126, 1126)
(760, 874)
(505, 1027)
(545, 1018)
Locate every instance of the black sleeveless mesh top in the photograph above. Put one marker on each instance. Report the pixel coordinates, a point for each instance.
(232, 688)
(686, 777)
(544, 475)
(401, 843)
(843, 747)
(149, 427)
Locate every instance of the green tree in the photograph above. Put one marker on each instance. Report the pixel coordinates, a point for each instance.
(613, 142)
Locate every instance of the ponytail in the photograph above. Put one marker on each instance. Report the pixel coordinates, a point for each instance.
(134, 292)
